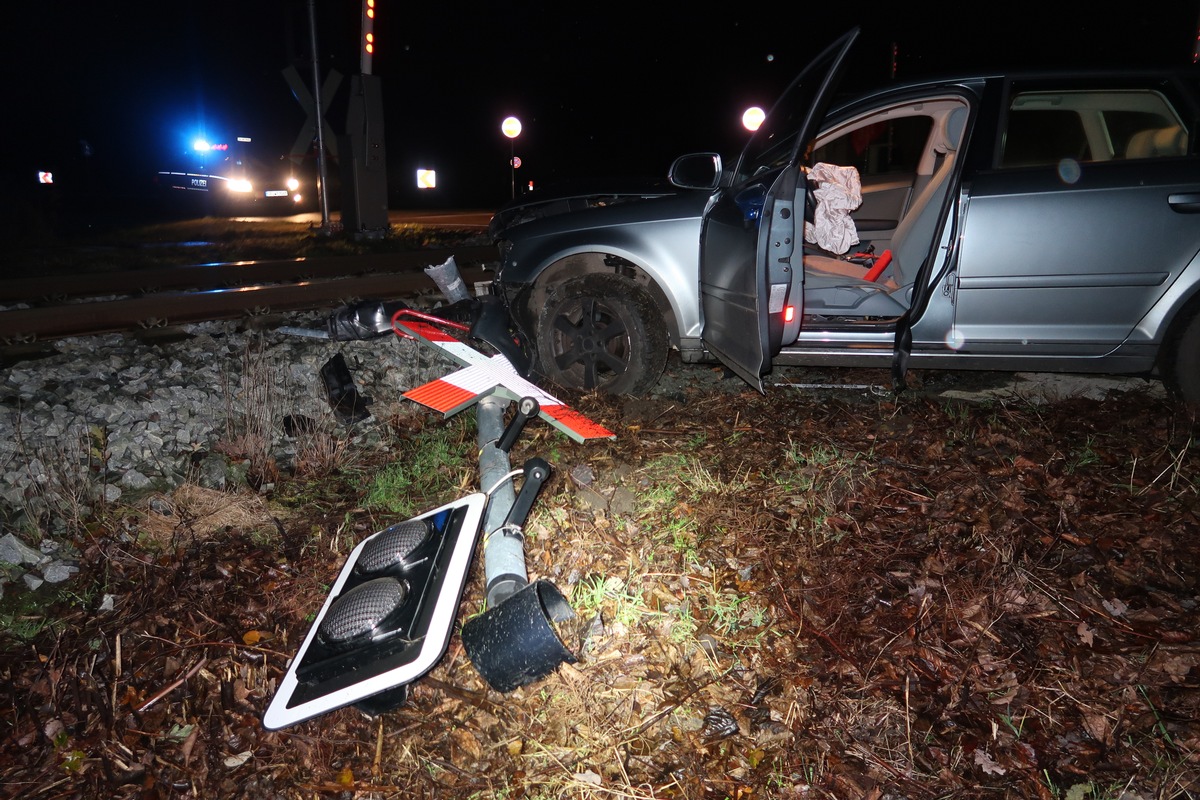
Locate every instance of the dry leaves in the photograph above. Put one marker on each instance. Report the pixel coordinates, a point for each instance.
(800, 596)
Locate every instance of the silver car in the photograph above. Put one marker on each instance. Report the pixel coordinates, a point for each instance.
(1041, 222)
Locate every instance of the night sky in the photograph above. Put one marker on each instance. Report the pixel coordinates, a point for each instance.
(106, 94)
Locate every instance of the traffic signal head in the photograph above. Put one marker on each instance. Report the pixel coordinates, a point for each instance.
(387, 619)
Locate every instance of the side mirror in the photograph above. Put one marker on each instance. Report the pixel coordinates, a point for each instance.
(696, 171)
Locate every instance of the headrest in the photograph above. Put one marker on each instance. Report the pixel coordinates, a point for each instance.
(951, 130)
(1157, 143)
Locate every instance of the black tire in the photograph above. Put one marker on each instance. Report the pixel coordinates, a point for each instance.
(601, 332)
(1185, 366)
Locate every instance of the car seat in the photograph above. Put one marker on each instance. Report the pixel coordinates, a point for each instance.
(1157, 143)
(837, 287)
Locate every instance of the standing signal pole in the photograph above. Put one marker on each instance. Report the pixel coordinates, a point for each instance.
(322, 188)
(364, 159)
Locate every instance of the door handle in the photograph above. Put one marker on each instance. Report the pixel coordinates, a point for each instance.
(1185, 202)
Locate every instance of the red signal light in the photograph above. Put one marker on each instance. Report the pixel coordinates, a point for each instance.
(368, 35)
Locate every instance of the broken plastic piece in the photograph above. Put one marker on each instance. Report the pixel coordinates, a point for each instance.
(492, 324)
(344, 398)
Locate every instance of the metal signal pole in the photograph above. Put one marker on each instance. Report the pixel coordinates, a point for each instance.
(322, 187)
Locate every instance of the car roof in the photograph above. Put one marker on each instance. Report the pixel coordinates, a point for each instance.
(941, 79)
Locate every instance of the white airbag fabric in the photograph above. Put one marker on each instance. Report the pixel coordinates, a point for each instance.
(838, 192)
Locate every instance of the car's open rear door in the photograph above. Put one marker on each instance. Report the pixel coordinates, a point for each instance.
(751, 267)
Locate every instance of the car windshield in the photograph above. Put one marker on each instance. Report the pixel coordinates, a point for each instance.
(770, 149)
(775, 143)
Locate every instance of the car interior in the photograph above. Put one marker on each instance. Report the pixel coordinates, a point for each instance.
(906, 155)
(1045, 127)
(897, 220)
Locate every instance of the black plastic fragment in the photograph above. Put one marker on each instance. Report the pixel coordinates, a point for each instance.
(492, 323)
(344, 398)
(298, 424)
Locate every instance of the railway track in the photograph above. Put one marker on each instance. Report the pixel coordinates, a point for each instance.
(157, 298)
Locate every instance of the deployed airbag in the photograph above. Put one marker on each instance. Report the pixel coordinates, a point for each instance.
(838, 192)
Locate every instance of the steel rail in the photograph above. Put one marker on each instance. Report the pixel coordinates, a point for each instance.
(229, 274)
(163, 309)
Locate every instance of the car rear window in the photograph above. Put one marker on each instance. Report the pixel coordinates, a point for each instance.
(1046, 127)
(1036, 138)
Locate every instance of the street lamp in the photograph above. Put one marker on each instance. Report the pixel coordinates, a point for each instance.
(511, 127)
(753, 117)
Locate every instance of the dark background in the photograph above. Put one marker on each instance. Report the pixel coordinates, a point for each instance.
(106, 94)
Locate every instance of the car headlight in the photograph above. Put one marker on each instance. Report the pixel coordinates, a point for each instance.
(293, 184)
(240, 185)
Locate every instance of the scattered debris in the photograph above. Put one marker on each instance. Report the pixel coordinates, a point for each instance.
(344, 398)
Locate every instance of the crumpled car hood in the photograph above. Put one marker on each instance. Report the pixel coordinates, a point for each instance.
(573, 197)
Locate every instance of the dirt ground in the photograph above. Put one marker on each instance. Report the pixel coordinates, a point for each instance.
(826, 592)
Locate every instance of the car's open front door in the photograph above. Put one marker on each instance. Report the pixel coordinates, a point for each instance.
(751, 270)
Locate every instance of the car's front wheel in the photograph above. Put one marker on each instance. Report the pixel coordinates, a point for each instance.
(601, 332)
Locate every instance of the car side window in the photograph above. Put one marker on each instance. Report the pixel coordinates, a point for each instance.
(1046, 127)
(887, 147)
(1038, 138)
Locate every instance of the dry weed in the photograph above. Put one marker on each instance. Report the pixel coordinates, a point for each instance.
(192, 513)
(66, 478)
(252, 413)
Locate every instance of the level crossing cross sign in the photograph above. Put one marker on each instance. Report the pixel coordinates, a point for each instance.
(308, 131)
